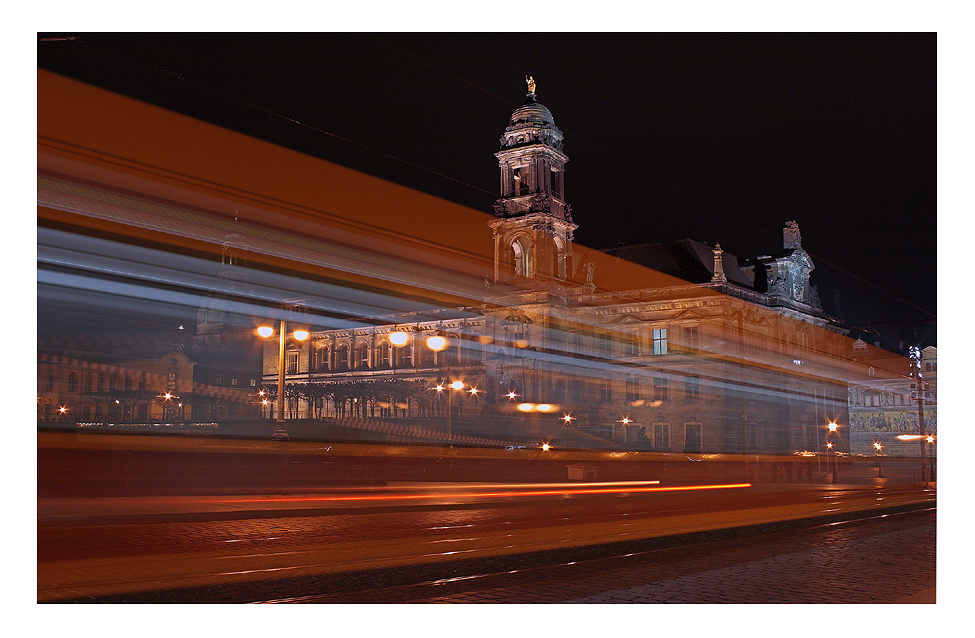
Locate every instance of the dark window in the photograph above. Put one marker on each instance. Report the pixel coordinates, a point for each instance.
(661, 436)
(661, 389)
(632, 389)
(692, 437)
(631, 345)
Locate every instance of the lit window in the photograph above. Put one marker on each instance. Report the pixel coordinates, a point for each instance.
(659, 341)
(292, 363)
(234, 381)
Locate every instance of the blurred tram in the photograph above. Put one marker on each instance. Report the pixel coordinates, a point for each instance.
(164, 243)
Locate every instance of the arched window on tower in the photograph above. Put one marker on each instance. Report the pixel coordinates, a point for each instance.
(523, 257)
(557, 184)
(560, 269)
(522, 187)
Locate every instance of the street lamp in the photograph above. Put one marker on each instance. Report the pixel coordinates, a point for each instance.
(927, 448)
(829, 446)
(449, 385)
(399, 338)
(452, 385)
(300, 335)
(437, 343)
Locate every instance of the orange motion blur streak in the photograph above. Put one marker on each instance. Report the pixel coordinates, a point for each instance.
(404, 497)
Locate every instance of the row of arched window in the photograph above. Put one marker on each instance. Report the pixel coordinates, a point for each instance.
(524, 261)
(97, 383)
(345, 356)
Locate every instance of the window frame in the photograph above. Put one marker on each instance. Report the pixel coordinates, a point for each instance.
(659, 341)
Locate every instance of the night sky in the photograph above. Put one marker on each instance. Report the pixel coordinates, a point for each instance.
(720, 138)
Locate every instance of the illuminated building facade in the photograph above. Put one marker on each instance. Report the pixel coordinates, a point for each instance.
(115, 389)
(673, 347)
(883, 408)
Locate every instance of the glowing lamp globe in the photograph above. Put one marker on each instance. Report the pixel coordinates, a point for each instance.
(398, 338)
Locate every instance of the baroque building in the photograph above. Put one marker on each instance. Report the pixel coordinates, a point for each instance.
(93, 379)
(674, 347)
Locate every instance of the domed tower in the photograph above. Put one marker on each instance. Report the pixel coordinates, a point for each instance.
(216, 324)
(533, 238)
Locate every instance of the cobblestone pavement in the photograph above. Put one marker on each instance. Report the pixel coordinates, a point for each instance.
(881, 560)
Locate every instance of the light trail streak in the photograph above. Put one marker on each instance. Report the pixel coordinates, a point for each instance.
(619, 488)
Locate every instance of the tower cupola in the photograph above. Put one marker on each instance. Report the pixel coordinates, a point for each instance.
(533, 240)
(532, 163)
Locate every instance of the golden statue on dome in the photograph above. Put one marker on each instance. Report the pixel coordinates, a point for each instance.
(531, 83)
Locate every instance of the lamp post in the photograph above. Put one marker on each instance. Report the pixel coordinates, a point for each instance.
(280, 433)
(929, 446)
(437, 343)
(919, 387)
(450, 385)
(829, 446)
(879, 450)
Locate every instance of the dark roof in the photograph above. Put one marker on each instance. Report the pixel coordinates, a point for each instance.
(685, 259)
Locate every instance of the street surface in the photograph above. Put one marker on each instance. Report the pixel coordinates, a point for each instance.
(878, 560)
(242, 549)
(123, 518)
